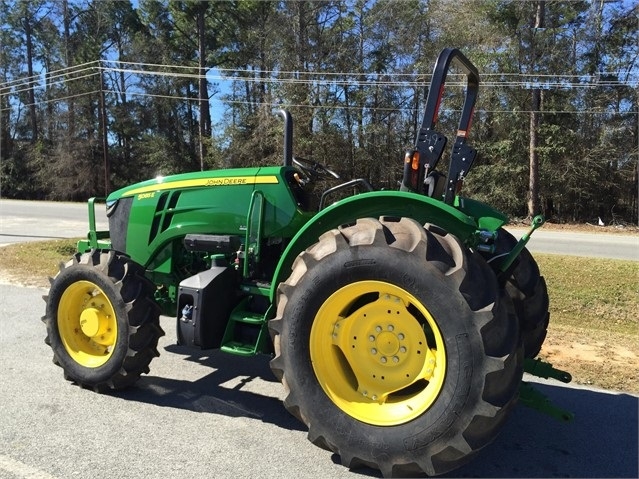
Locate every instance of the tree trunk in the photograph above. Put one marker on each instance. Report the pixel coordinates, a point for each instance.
(533, 183)
(104, 136)
(203, 94)
(68, 58)
(30, 91)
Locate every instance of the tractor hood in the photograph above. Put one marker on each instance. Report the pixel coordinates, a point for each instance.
(199, 179)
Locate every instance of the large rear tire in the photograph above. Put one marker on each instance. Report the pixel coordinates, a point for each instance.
(528, 292)
(396, 348)
(102, 323)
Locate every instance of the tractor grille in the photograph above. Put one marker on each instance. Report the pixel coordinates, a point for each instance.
(118, 216)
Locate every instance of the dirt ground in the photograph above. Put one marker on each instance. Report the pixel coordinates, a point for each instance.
(594, 358)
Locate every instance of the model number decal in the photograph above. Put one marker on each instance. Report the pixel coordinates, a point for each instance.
(144, 196)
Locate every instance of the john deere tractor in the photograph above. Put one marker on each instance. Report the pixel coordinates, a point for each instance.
(399, 322)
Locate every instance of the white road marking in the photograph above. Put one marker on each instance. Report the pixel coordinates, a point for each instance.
(22, 470)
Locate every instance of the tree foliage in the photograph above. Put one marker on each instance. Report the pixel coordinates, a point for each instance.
(95, 95)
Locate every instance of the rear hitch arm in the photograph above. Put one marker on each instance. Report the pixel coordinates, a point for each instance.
(541, 369)
(507, 262)
(530, 397)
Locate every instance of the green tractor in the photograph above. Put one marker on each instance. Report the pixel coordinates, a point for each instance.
(399, 322)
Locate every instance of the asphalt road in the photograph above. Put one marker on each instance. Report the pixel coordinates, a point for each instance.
(212, 415)
(599, 245)
(38, 220)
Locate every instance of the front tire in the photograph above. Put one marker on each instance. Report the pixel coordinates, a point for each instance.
(102, 323)
(396, 348)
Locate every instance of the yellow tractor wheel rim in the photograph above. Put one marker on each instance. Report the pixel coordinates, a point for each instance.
(378, 353)
(87, 324)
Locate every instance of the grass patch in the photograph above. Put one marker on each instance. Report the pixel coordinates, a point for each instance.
(592, 293)
(32, 263)
(594, 320)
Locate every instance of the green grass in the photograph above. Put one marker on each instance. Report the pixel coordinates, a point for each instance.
(592, 293)
(34, 262)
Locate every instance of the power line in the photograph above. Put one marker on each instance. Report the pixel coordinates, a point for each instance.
(227, 101)
(351, 73)
(62, 72)
(14, 92)
(505, 80)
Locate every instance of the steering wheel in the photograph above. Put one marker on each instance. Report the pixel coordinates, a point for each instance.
(314, 170)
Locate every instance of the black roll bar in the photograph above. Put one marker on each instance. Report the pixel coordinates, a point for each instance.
(429, 144)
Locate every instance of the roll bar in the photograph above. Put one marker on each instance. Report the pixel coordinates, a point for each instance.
(429, 144)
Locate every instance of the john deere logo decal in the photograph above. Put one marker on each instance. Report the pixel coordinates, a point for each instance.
(143, 191)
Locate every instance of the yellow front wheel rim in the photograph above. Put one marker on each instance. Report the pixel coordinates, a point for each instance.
(378, 353)
(87, 324)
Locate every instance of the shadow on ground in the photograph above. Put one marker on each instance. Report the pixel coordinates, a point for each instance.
(601, 442)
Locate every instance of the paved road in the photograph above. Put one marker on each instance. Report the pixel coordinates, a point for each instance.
(212, 415)
(35, 220)
(601, 245)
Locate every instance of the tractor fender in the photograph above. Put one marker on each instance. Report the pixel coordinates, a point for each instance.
(375, 204)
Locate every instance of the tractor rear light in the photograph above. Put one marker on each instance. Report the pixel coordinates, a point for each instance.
(408, 156)
(415, 164)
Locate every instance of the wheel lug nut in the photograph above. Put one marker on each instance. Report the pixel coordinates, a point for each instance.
(400, 336)
(371, 338)
(383, 359)
(373, 351)
(402, 349)
(378, 329)
(395, 359)
(390, 327)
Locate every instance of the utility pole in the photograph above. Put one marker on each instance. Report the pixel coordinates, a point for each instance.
(103, 127)
(535, 116)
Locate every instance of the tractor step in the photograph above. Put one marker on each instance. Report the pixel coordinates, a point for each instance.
(246, 330)
(239, 349)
